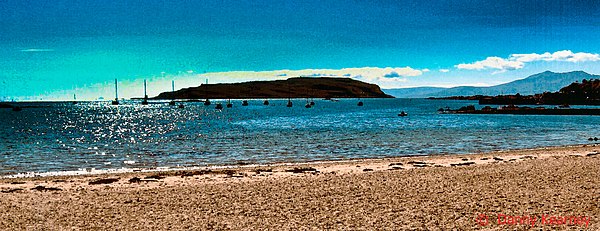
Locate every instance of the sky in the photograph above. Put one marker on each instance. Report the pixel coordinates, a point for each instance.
(52, 49)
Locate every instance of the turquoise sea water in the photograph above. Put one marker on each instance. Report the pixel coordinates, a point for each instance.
(67, 137)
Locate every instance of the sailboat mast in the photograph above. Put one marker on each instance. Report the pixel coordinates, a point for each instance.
(145, 92)
(116, 90)
(172, 85)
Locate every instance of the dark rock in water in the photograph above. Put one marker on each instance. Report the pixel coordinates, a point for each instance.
(12, 190)
(302, 170)
(44, 188)
(367, 170)
(104, 181)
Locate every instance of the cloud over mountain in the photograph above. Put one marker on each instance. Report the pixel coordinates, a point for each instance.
(518, 61)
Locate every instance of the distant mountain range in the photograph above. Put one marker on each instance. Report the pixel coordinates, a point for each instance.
(543, 82)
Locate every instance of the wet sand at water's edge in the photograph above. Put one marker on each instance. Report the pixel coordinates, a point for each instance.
(549, 188)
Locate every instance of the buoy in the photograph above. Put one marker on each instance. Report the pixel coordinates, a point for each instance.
(219, 106)
(245, 103)
(360, 103)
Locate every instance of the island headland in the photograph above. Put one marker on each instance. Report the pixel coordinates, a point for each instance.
(297, 87)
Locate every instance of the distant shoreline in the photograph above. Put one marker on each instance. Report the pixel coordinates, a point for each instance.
(165, 169)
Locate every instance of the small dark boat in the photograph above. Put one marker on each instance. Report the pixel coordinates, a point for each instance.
(206, 102)
(360, 104)
(402, 114)
(219, 106)
(245, 103)
(181, 105)
(289, 103)
(229, 105)
(312, 103)
(307, 105)
(172, 103)
(266, 102)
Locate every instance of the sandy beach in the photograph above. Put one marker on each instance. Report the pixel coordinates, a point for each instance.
(548, 188)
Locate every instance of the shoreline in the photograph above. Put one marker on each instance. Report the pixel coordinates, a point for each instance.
(110, 171)
(417, 192)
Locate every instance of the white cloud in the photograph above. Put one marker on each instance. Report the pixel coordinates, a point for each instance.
(37, 50)
(492, 63)
(565, 56)
(444, 70)
(518, 61)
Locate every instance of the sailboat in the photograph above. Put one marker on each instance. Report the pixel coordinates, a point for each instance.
(229, 104)
(207, 102)
(172, 103)
(116, 101)
(145, 101)
(74, 99)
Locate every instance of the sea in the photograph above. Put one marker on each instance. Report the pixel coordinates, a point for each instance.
(62, 137)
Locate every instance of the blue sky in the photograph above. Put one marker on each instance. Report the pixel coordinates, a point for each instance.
(53, 49)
